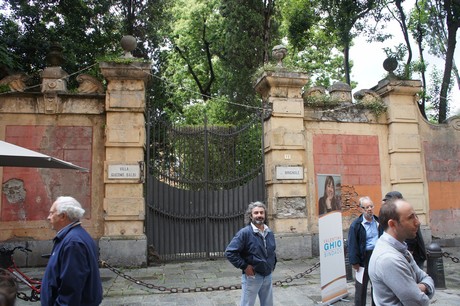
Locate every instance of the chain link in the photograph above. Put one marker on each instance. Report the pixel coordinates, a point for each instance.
(289, 279)
(34, 297)
(453, 258)
(199, 289)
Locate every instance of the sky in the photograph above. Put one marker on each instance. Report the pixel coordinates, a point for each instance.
(368, 60)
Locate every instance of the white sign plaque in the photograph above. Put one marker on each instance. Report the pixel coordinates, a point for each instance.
(289, 173)
(124, 172)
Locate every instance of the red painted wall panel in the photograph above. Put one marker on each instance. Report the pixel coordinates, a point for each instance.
(29, 192)
(354, 157)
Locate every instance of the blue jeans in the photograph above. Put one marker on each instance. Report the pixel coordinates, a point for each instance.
(251, 286)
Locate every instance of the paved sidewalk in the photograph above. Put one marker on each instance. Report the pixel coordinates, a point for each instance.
(215, 273)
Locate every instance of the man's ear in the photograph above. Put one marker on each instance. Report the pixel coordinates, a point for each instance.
(391, 223)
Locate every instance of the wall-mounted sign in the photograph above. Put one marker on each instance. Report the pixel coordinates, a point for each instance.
(289, 173)
(124, 172)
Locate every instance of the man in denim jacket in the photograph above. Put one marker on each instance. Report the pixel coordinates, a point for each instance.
(253, 251)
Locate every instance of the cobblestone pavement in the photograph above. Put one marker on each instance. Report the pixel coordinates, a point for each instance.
(215, 273)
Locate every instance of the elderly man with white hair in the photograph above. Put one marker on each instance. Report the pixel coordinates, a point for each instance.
(72, 274)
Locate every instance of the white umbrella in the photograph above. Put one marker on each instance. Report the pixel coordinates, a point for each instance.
(15, 156)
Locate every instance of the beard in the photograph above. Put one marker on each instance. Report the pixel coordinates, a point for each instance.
(258, 221)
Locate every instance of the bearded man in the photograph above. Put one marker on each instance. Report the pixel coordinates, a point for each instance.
(253, 251)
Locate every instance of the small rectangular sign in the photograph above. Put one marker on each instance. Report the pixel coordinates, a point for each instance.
(289, 173)
(124, 172)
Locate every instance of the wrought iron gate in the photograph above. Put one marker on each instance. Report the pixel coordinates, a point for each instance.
(200, 181)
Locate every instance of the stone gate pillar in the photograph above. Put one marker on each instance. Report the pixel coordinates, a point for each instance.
(285, 160)
(407, 166)
(124, 241)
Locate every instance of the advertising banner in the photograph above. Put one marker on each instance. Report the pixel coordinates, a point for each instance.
(332, 257)
(331, 245)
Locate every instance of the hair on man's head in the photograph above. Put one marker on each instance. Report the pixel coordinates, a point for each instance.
(362, 199)
(389, 212)
(251, 206)
(392, 194)
(70, 207)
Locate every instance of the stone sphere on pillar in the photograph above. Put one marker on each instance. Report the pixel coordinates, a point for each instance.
(128, 43)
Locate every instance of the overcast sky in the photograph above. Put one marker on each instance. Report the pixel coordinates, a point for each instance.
(368, 62)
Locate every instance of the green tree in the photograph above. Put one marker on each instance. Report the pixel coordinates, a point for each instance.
(84, 29)
(311, 46)
(437, 23)
(418, 26)
(342, 18)
(249, 31)
(396, 10)
(452, 13)
(434, 25)
(212, 50)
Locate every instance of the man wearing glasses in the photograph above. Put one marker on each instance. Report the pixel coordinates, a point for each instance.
(362, 236)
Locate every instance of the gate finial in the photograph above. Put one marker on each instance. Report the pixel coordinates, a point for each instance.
(279, 52)
(128, 43)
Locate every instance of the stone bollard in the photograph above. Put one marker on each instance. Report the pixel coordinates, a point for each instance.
(435, 266)
(348, 268)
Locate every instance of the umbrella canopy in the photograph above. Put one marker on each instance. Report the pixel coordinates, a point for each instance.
(15, 156)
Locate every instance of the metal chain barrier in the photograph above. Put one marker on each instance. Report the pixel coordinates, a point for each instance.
(453, 258)
(199, 289)
(297, 276)
(32, 298)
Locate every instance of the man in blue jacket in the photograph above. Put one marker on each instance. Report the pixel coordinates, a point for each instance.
(253, 251)
(72, 274)
(362, 236)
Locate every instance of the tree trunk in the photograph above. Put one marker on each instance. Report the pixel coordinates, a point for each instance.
(452, 27)
(346, 62)
(403, 25)
(268, 12)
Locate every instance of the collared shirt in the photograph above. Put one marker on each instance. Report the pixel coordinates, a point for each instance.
(257, 230)
(398, 245)
(263, 233)
(70, 225)
(372, 233)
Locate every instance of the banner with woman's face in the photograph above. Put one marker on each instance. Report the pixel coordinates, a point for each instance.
(332, 254)
(329, 193)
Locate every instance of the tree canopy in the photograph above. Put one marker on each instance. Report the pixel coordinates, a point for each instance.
(206, 53)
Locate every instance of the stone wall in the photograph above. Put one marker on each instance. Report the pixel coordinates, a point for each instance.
(371, 152)
(62, 125)
(100, 129)
(104, 131)
(441, 149)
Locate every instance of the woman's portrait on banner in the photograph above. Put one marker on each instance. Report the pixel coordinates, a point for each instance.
(329, 193)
